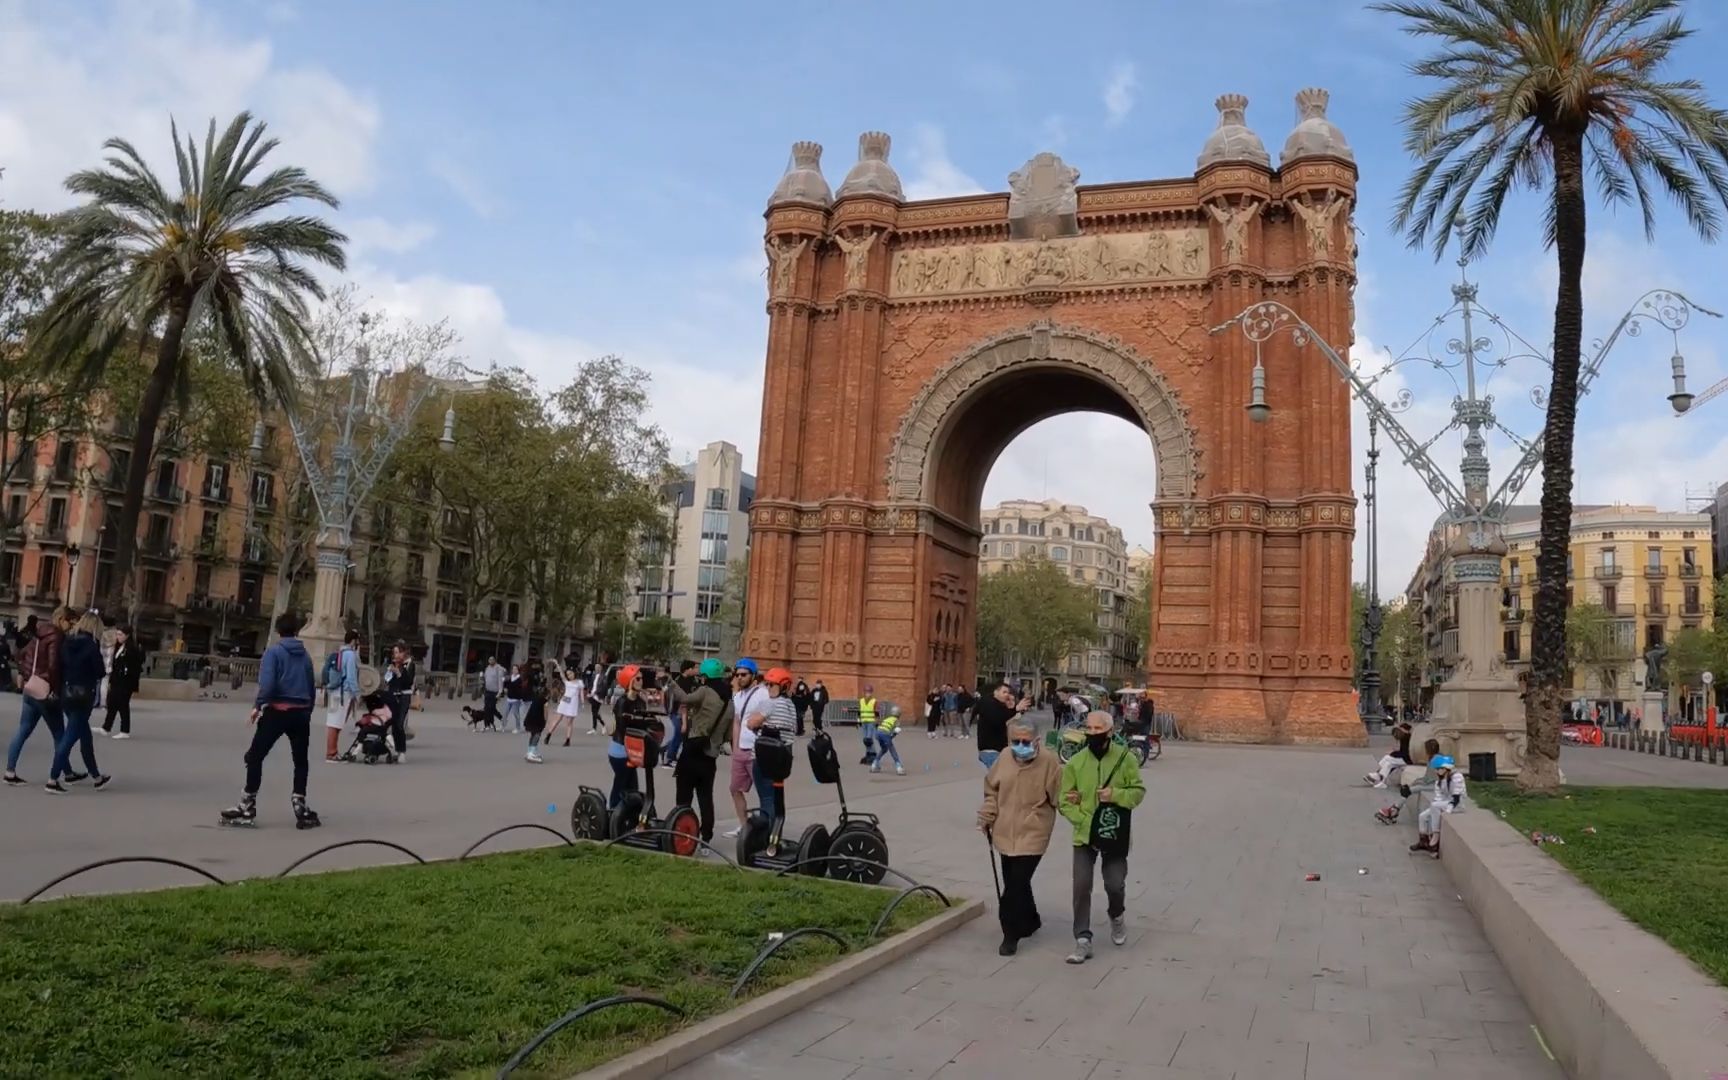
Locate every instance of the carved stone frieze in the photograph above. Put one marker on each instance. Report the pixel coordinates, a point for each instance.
(1076, 261)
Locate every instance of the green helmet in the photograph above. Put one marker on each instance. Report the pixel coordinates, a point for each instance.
(712, 668)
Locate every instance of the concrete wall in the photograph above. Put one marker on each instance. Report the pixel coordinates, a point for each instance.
(1612, 1001)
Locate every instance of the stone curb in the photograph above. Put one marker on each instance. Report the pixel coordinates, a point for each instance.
(1612, 1000)
(684, 1046)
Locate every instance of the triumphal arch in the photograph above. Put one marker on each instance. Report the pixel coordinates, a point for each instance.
(910, 341)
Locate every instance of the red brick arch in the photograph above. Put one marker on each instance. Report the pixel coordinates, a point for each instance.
(909, 343)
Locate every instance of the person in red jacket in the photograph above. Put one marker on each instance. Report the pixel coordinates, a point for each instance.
(39, 675)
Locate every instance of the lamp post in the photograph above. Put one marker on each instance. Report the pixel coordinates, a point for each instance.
(376, 416)
(72, 557)
(1479, 708)
(1372, 618)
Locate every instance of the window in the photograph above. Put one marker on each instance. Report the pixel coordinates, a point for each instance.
(1056, 532)
(1653, 558)
(416, 567)
(48, 576)
(495, 610)
(513, 612)
(1652, 635)
(707, 605)
(263, 490)
(10, 564)
(216, 478)
(1607, 536)
(15, 510)
(65, 459)
(716, 499)
(1568, 564)
(1653, 535)
(1514, 575)
(1079, 573)
(705, 635)
(1008, 549)
(155, 587)
(207, 531)
(1692, 607)
(56, 516)
(710, 578)
(1689, 558)
(1104, 598)
(165, 488)
(1611, 598)
(1654, 598)
(1689, 534)
(1608, 558)
(201, 580)
(1509, 643)
(408, 612)
(1059, 554)
(1569, 598)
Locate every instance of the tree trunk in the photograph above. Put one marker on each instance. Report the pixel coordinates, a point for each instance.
(150, 408)
(1546, 700)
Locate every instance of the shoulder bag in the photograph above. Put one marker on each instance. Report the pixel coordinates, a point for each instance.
(1110, 823)
(36, 687)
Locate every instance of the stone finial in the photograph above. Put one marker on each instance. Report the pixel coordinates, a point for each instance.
(1231, 140)
(803, 182)
(1314, 135)
(872, 175)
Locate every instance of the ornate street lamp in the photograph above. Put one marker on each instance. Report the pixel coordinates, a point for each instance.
(1479, 708)
(1372, 618)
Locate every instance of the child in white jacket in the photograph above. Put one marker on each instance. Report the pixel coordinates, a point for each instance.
(1448, 799)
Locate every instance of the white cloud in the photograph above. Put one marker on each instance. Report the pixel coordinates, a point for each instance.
(1119, 91)
(932, 175)
(371, 234)
(464, 183)
(68, 83)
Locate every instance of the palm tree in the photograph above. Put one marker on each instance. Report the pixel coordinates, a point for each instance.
(1550, 94)
(141, 266)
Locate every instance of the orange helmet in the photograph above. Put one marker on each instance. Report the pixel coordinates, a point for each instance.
(780, 677)
(627, 675)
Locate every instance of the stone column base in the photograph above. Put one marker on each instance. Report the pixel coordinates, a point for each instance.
(1235, 714)
(1474, 718)
(1324, 718)
(1650, 710)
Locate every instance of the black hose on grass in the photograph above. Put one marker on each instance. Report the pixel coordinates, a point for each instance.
(774, 947)
(672, 832)
(894, 903)
(348, 843)
(576, 1014)
(123, 859)
(525, 825)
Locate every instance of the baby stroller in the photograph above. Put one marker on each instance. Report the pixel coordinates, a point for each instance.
(372, 739)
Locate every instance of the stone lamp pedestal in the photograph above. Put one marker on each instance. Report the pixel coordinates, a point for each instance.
(1479, 709)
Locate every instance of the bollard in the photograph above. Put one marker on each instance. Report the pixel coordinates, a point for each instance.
(1712, 751)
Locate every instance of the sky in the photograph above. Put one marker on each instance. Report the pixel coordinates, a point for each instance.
(564, 180)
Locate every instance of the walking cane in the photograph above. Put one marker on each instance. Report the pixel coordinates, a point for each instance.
(994, 874)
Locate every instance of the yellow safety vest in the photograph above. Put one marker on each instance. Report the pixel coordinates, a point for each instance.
(888, 725)
(867, 710)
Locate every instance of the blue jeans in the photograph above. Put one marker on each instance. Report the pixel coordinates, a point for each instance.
(513, 709)
(676, 724)
(886, 742)
(766, 795)
(623, 780)
(867, 732)
(33, 712)
(77, 731)
(988, 758)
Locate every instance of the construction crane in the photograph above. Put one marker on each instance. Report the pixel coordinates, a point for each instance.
(1715, 389)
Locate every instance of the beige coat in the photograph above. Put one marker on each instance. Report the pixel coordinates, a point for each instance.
(1020, 802)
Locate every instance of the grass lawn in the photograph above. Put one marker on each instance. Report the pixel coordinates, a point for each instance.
(436, 970)
(1659, 855)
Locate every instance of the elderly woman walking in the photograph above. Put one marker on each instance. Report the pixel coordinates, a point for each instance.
(1021, 793)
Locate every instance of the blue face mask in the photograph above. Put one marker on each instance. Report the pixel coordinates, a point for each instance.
(1024, 753)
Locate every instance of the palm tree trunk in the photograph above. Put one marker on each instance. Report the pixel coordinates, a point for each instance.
(1546, 700)
(150, 408)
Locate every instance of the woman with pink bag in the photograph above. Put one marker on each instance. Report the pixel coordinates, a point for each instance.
(39, 668)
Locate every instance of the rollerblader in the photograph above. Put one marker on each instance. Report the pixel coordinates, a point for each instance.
(286, 694)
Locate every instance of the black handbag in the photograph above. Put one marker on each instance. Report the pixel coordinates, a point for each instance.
(1111, 823)
(78, 696)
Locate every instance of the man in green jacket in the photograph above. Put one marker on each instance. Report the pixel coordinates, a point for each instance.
(1100, 785)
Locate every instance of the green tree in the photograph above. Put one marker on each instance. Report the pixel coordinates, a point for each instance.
(1038, 615)
(659, 638)
(32, 405)
(1400, 656)
(1594, 645)
(610, 636)
(1550, 95)
(730, 617)
(146, 267)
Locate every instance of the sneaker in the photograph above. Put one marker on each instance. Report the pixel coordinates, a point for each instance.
(875, 766)
(402, 758)
(1119, 930)
(1421, 844)
(899, 770)
(1373, 778)
(121, 735)
(54, 787)
(12, 779)
(104, 732)
(1008, 947)
(75, 777)
(103, 781)
(534, 758)
(732, 834)
(1082, 951)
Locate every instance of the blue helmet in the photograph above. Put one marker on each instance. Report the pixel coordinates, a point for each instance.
(1441, 761)
(746, 664)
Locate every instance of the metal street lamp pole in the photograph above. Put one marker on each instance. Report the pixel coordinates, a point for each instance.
(1372, 710)
(1479, 708)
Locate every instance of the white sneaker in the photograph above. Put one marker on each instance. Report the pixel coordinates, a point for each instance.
(533, 758)
(1082, 951)
(120, 735)
(1119, 930)
(104, 732)
(875, 766)
(732, 834)
(402, 758)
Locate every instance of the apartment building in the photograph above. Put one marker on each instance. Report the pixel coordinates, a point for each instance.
(1094, 553)
(708, 519)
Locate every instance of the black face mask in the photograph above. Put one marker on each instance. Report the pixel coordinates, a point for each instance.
(1098, 744)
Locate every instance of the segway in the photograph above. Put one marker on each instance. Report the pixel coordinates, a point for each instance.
(855, 850)
(635, 822)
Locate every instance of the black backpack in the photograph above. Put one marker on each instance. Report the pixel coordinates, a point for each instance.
(824, 762)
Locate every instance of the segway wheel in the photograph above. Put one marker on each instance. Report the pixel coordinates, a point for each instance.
(1139, 749)
(1154, 748)
(588, 817)
(682, 832)
(861, 843)
(812, 848)
(626, 815)
(753, 837)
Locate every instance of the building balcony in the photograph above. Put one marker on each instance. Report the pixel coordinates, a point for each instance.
(1657, 610)
(264, 507)
(1609, 573)
(9, 591)
(158, 610)
(53, 534)
(209, 550)
(37, 594)
(1512, 614)
(159, 548)
(1690, 571)
(63, 477)
(114, 479)
(1692, 613)
(1655, 573)
(1515, 582)
(1448, 622)
(216, 493)
(1621, 611)
(166, 493)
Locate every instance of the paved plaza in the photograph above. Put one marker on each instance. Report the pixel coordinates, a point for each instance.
(1235, 967)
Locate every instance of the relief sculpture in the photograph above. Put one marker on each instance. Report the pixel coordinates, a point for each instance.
(1165, 254)
(1318, 217)
(857, 251)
